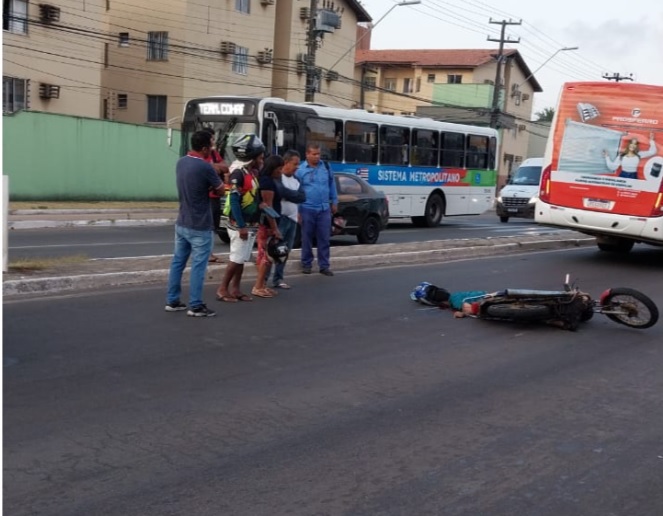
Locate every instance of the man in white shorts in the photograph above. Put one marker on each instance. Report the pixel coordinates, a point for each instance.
(244, 214)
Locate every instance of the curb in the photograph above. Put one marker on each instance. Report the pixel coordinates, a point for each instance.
(56, 285)
(37, 224)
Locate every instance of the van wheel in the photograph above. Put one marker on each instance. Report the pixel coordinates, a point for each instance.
(504, 219)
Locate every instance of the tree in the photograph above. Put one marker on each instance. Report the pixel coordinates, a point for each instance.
(545, 115)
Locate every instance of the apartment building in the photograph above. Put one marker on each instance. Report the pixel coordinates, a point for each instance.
(455, 85)
(52, 56)
(139, 61)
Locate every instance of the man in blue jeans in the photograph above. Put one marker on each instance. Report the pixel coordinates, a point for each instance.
(195, 179)
(316, 211)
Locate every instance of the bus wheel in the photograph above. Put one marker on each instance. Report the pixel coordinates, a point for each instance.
(504, 219)
(616, 246)
(433, 214)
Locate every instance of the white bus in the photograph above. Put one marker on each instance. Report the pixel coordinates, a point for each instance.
(427, 169)
(602, 169)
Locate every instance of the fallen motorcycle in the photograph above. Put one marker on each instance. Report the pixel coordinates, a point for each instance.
(569, 307)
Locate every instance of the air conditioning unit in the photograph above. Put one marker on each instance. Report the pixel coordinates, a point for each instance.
(264, 57)
(49, 13)
(304, 13)
(331, 75)
(228, 47)
(49, 91)
(301, 67)
(525, 96)
(267, 2)
(522, 127)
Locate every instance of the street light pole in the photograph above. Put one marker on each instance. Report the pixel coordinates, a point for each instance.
(563, 49)
(400, 4)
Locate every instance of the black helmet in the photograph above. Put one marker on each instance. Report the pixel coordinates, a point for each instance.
(248, 147)
(277, 250)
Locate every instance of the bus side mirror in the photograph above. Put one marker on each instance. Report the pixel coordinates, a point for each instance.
(280, 138)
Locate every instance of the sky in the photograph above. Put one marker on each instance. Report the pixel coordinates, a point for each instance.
(613, 37)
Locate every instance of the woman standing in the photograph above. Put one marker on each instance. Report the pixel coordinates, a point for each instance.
(268, 228)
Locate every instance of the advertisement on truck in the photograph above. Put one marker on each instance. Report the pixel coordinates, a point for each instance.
(602, 170)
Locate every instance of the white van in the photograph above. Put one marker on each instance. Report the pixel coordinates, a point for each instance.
(518, 197)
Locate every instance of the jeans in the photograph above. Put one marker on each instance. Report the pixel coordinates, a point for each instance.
(198, 245)
(288, 229)
(315, 224)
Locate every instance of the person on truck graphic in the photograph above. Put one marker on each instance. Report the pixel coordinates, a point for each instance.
(629, 158)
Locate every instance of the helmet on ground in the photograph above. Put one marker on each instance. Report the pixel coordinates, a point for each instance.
(248, 147)
(428, 294)
(277, 250)
(338, 225)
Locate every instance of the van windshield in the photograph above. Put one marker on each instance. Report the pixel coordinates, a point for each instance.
(526, 176)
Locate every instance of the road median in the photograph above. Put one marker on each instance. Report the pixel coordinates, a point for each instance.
(118, 272)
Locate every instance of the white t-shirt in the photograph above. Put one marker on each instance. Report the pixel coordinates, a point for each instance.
(289, 209)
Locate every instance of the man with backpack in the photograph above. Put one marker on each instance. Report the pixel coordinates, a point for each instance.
(317, 181)
(243, 214)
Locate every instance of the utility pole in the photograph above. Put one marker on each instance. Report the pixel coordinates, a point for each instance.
(312, 47)
(617, 78)
(495, 112)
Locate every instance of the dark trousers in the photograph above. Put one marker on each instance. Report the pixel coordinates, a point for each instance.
(315, 225)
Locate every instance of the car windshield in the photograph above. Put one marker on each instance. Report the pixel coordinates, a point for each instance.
(526, 176)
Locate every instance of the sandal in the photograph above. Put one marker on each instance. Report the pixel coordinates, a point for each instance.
(213, 259)
(282, 285)
(226, 298)
(243, 297)
(261, 292)
(272, 291)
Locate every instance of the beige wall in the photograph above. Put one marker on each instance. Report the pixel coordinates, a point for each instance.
(68, 59)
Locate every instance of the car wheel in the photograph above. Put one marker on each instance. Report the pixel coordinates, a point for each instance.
(504, 219)
(369, 232)
(223, 236)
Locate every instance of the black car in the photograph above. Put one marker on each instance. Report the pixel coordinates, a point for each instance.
(364, 209)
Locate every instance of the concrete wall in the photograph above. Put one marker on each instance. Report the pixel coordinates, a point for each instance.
(57, 157)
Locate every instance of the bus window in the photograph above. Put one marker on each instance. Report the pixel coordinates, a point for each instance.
(492, 153)
(424, 148)
(361, 142)
(328, 134)
(453, 150)
(477, 151)
(394, 145)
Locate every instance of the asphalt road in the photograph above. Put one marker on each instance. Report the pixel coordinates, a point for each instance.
(115, 242)
(339, 397)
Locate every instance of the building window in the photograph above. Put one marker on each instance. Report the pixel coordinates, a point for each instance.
(431, 77)
(124, 39)
(122, 100)
(157, 46)
(390, 84)
(241, 60)
(15, 16)
(243, 6)
(454, 79)
(156, 108)
(407, 85)
(13, 94)
(369, 83)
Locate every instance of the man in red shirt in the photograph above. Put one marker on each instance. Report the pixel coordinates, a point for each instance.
(221, 168)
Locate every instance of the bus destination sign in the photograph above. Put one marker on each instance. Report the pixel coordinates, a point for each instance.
(226, 108)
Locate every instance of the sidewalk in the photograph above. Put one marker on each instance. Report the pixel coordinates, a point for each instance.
(117, 272)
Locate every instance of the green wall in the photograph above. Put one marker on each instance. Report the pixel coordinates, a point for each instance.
(466, 95)
(57, 157)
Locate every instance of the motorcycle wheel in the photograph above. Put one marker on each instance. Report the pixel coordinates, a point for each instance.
(518, 312)
(631, 308)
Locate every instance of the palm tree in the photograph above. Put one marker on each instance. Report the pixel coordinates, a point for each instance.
(545, 115)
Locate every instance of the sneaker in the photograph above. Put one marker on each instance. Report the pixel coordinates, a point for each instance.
(201, 311)
(175, 306)
(326, 272)
(306, 270)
